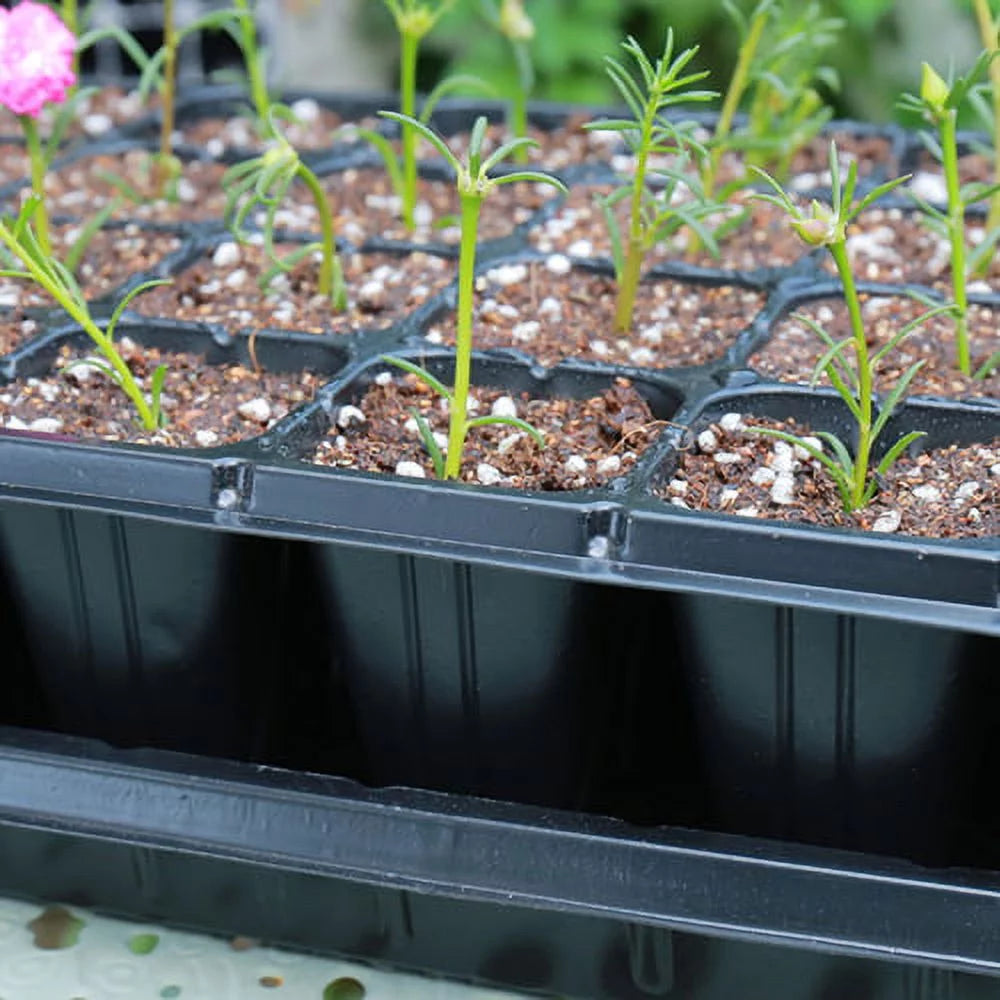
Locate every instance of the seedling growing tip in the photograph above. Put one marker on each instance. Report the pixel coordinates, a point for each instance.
(854, 380)
(474, 184)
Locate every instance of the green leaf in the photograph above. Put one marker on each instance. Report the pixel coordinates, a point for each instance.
(429, 442)
(839, 475)
(450, 85)
(388, 154)
(522, 425)
(987, 367)
(156, 393)
(892, 400)
(906, 330)
(421, 373)
(533, 176)
(505, 150)
(429, 134)
(143, 944)
(128, 297)
(87, 233)
(896, 450)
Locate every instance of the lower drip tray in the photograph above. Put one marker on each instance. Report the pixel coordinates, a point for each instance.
(493, 894)
(51, 952)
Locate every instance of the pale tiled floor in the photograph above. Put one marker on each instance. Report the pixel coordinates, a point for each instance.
(105, 959)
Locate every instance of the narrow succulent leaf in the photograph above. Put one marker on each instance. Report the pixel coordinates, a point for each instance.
(612, 125)
(834, 353)
(894, 453)
(988, 366)
(977, 191)
(614, 230)
(128, 42)
(119, 183)
(214, 20)
(533, 176)
(906, 330)
(389, 158)
(986, 248)
(892, 400)
(421, 373)
(522, 425)
(627, 87)
(839, 475)
(506, 149)
(151, 75)
(429, 442)
(127, 300)
(450, 85)
(841, 455)
(156, 393)
(876, 193)
(427, 133)
(87, 233)
(476, 137)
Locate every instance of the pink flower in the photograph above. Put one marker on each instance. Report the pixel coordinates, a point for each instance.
(36, 58)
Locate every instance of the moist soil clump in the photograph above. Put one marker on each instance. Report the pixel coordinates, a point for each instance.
(588, 442)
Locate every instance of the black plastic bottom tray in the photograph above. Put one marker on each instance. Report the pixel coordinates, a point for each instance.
(485, 891)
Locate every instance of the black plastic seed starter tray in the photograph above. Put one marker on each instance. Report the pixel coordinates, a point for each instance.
(588, 743)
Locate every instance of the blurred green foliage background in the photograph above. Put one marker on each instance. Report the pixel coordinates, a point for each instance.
(882, 44)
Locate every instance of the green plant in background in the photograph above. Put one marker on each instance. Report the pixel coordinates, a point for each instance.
(786, 111)
(777, 68)
(939, 103)
(989, 33)
(514, 24)
(649, 133)
(263, 182)
(414, 20)
(20, 240)
(244, 34)
(474, 185)
(854, 379)
(161, 71)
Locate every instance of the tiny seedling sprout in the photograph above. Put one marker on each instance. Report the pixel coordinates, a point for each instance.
(823, 225)
(264, 181)
(648, 134)
(474, 185)
(21, 240)
(939, 103)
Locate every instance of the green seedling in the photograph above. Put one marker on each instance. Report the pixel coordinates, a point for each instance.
(649, 133)
(989, 32)
(264, 182)
(21, 240)
(160, 71)
(414, 20)
(513, 22)
(474, 185)
(777, 72)
(939, 104)
(853, 378)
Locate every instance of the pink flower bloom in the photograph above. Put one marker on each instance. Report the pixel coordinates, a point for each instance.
(36, 58)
